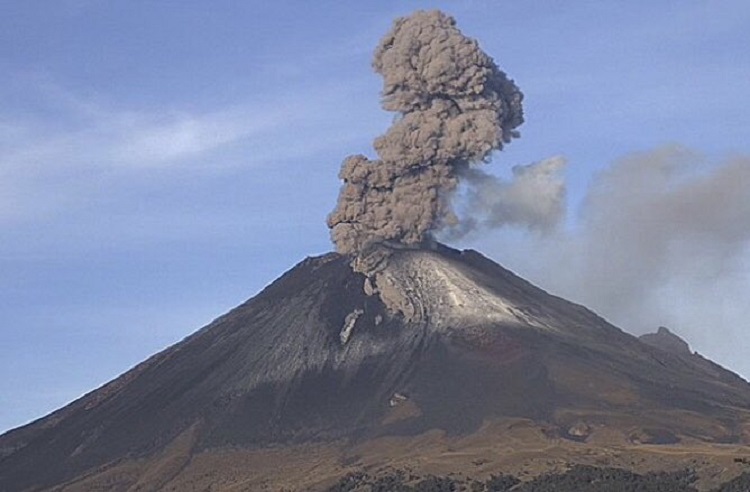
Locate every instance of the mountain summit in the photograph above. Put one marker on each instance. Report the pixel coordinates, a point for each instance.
(434, 346)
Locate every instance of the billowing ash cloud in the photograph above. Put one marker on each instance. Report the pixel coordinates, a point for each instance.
(535, 198)
(455, 107)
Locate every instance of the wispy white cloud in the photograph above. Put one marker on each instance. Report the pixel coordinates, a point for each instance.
(164, 141)
(98, 136)
(48, 163)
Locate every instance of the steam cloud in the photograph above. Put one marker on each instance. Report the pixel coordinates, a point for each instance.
(455, 107)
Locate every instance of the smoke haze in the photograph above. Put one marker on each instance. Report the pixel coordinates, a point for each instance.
(663, 238)
(535, 199)
(455, 107)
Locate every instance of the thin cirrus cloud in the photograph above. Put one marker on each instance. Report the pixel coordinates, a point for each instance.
(103, 137)
(44, 169)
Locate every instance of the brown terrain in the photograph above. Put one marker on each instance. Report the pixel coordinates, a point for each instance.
(477, 372)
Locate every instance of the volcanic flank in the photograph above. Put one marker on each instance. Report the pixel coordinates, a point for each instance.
(396, 351)
(314, 361)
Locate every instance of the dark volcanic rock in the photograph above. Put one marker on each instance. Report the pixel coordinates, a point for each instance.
(577, 479)
(738, 484)
(666, 340)
(313, 358)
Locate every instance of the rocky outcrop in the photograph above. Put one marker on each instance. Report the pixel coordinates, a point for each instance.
(666, 340)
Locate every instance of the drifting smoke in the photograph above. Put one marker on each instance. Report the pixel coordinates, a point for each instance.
(663, 239)
(455, 107)
(656, 216)
(535, 199)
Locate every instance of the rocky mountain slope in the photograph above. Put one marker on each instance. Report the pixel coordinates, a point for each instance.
(326, 371)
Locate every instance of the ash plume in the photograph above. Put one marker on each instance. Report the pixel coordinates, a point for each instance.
(535, 198)
(454, 105)
(657, 222)
(663, 238)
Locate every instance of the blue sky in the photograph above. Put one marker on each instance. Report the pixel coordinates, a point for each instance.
(160, 162)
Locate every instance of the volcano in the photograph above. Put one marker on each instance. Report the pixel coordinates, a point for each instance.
(439, 360)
